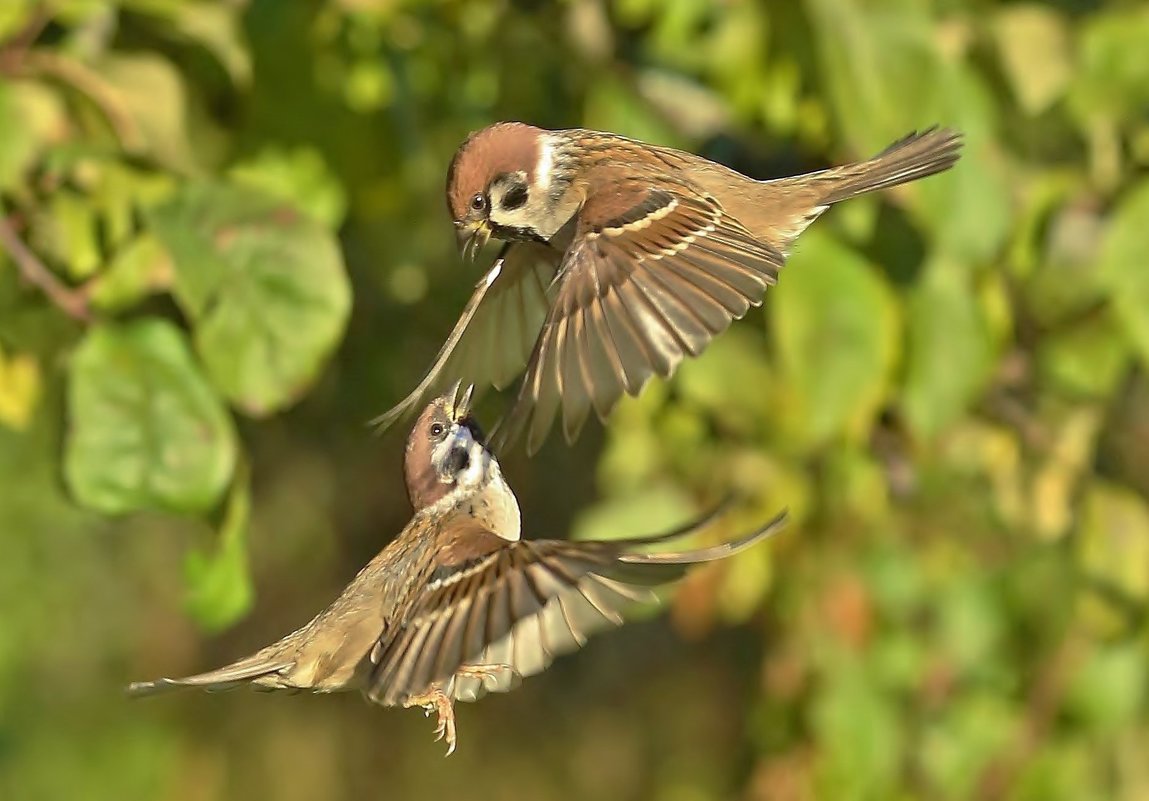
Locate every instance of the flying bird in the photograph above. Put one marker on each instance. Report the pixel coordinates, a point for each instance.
(621, 259)
(458, 604)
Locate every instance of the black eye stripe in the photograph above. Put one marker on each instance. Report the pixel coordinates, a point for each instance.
(515, 197)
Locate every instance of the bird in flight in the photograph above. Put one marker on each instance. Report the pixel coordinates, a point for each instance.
(459, 604)
(621, 258)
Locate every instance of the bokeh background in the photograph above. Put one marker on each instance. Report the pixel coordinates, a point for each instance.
(224, 248)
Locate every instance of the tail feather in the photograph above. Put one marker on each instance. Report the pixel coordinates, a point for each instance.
(224, 678)
(915, 156)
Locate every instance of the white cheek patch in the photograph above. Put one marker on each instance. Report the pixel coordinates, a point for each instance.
(545, 164)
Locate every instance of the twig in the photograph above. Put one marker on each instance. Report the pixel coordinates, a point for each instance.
(93, 86)
(1045, 699)
(12, 51)
(71, 302)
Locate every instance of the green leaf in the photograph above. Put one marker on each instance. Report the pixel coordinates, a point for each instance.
(219, 590)
(835, 323)
(67, 232)
(31, 116)
(730, 380)
(1089, 359)
(1109, 689)
(147, 431)
(1112, 75)
(886, 76)
(21, 384)
(140, 268)
(859, 734)
(299, 176)
(969, 208)
(218, 28)
(1124, 268)
(660, 507)
(149, 91)
(1033, 43)
(949, 350)
(880, 68)
(264, 286)
(1114, 541)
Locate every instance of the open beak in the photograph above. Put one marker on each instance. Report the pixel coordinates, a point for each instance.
(472, 236)
(460, 401)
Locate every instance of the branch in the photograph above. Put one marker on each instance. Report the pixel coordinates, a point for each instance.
(1045, 699)
(68, 300)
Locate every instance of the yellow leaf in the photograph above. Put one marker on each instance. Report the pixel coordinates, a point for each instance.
(20, 388)
(1033, 42)
(1114, 541)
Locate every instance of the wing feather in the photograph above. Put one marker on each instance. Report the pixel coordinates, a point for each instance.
(521, 606)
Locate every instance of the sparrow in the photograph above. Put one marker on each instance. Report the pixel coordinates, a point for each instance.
(621, 258)
(459, 604)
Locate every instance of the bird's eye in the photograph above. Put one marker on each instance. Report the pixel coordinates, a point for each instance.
(437, 429)
(479, 202)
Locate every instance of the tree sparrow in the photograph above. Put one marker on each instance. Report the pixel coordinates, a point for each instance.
(622, 258)
(458, 605)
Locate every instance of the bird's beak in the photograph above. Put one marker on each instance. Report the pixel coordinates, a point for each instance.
(460, 404)
(472, 235)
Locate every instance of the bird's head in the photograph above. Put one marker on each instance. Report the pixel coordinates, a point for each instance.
(505, 181)
(445, 449)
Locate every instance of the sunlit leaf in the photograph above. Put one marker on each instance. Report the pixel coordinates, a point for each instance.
(1114, 539)
(879, 67)
(886, 76)
(1034, 45)
(1112, 77)
(149, 91)
(730, 380)
(965, 739)
(140, 268)
(661, 507)
(858, 729)
(835, 325)
(264, 285)
(948, 350)
(1088, 359)
(146, 429)
(218, 27)
(31, 118)
(1109, 689)
(20, 389)
(219, 590)
(67, 231)
(300, 177)
(1123, 266)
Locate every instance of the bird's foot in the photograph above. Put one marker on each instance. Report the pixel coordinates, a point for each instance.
(439, 702)
(495, 672)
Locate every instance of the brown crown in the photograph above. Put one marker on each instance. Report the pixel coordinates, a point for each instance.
(497, 149)
(424, 486)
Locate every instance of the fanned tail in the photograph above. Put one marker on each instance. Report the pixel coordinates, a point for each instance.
(915, 156)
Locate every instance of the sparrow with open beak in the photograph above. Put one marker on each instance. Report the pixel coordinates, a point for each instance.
(622, 258)
(458, 605)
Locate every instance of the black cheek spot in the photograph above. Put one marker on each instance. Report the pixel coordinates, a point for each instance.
(515, 197)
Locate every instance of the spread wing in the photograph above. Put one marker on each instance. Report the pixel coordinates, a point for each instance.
(495, 333)
(521, 604)
(651, 276)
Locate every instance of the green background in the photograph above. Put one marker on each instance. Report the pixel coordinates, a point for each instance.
(239, 207)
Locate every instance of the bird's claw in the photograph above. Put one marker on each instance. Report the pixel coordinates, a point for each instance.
(439, 702)
(484, 672)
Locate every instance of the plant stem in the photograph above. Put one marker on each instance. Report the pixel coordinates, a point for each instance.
(35, 272)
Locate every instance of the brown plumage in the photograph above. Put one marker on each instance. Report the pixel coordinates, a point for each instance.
(622, 259)
(457, 605)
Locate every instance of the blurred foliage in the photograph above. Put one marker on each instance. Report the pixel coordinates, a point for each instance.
(223, 249)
